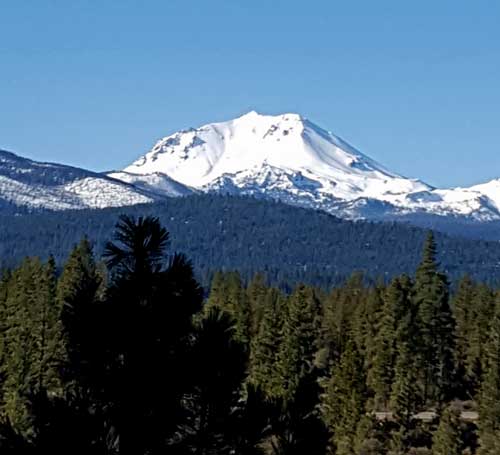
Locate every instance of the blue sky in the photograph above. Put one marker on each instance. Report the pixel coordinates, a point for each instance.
(414, 85)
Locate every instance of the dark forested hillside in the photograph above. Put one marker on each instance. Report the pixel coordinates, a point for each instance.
(289, 244)
(127, 357)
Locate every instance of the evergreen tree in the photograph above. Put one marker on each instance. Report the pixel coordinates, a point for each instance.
(405, 393)
(249, 426)
(447, 439)
(463, 312)
(367, 323)
(436, 325)
(148, 316)
(79, 290)
(343, 403)
(4, 285)
(396, 308)
(227, 294)
(340, 309)
(369, 437)
(489, 397)
(219, 368)
(295, 425)
(80, 295)
(256, 291)
(483, 310)
(33, 340)
(265, 347)
(299, 342)
(46, 331)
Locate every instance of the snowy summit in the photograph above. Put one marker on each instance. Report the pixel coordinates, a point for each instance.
(284, 157)
(289, 158)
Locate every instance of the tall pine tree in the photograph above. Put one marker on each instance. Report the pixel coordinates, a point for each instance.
(299, 341)
(265, 347)
(396, 308)
(343, 402)
(489, 396)
(436, 324)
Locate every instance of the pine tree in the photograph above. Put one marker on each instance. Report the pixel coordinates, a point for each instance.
(436, 325)
(219, 366)
(299, 341)
(369, 437)
(48, 330)
(256, 294)
(367, 321)
(483, 310)
(405, 393)
(339, 316)
(343, 402)
(463, 312)
(265, 347)
(4, 286)
(396, 307)
(33, 340)
(79, 289)
(228, 295)
(148, 319)
(489, 396)
(447, 439)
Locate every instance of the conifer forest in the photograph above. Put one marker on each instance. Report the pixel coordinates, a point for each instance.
(126, 353)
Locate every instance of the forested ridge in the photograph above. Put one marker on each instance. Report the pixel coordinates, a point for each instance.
(290, 244)
(128, 356)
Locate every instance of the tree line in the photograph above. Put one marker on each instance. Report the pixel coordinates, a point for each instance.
(230, 233)
(131, 356)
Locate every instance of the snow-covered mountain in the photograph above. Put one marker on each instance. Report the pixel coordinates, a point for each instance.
(31, 185)
(284, 157)
(289, 158)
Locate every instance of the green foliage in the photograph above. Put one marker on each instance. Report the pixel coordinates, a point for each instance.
(227, 295)
(32, 340)
(299, 340)
(343, 403)
(130, 361)
(489, 397)
(483, 311)
(79, 289)
(396, 309)
(289, 244)
(447, 440)
(265, 347)
(219, 366)
(405, 393)
(436, 325)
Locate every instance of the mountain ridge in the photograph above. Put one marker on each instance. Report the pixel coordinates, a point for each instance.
(27, 185)
(288, 157)
(283, 157)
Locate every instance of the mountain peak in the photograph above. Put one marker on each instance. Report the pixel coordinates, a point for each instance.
(256, 116)
(289, 144)
(289, 158)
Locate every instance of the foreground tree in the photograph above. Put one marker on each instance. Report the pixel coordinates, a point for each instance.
(219, 366)
(149, 314)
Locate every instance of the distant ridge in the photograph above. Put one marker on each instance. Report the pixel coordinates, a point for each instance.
(283, 157)
(289, 158)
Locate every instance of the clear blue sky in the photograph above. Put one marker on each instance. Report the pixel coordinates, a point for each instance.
(413, 84)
